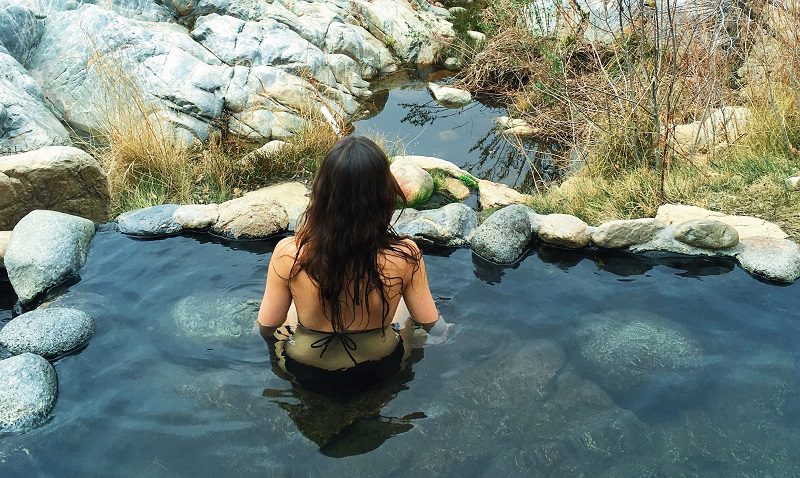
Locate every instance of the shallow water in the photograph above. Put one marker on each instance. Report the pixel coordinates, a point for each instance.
(403, 111)
(510, 393)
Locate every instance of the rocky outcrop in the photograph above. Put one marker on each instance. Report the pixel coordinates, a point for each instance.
(564, 230)
(250, 217)
(28, 393)
(504, 236)
(707, 234)
(415, 182)
(215, 316)
(254, 65)
(153, 221)
(449, 96)
(448, 226)
(49, 332)
(58, 178)
(46, 248)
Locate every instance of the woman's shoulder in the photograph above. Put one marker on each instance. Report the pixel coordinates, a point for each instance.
(284, 254)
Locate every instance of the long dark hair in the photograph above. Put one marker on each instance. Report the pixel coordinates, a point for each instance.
(345, 227)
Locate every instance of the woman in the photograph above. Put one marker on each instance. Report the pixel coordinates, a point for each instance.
(339, 283)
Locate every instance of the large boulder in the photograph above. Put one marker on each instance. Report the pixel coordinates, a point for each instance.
(707, 233)
(215, 316)
(416, 184)
(746, 226)
(492, 195)
(46, 249)
(774, 259)
(564, 230)
(28, 392)
(25, 122)
(58, 178)
(627, 232)
(504, 236)
(153, 221)
(250, 217)
(49, 332)
(635, 351)
(449, 225)
(196, 216)
(291, 196)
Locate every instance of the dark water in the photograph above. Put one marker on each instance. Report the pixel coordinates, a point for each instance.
(509, 395)
(403, 111)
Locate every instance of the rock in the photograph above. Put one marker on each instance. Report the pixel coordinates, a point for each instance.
(46, 248)
(477, 37)
(456, 189)
(449, 225)
(250, 218)
(153, 221)
(746, 226)
(58, 178)
(564, 230)
(452, 64)
(292, 196)
(491, 195)
(624, 233)
(5, 236)
(522, 131)
(629, 351)
(272, 147)
(505, 122)
(216, 316)
(29, 390)
(707, 234)
(772, 258)
(665, 241)
(26, 123)
(196, 216)
(721, 128)
(504, 236)
(793, 183)
(416, 183)
(457, 10)
(429, 163)
(49, 332)
(449, 96)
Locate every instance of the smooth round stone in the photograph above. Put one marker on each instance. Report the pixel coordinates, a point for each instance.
(449, 225)
(504, 236)
(28, 392)
(196, 216)
(151, 221)
(707, 234)
(416, 184)
(450, 97)
(250, 217)
(564, 230)
(47, 332)
(775, 259)
(215, 315)
(625, 233)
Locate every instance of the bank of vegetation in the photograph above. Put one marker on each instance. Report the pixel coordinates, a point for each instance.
(620, 91)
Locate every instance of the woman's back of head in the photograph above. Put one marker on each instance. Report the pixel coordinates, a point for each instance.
(347, 227)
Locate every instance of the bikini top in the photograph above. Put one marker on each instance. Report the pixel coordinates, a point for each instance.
(346, 338)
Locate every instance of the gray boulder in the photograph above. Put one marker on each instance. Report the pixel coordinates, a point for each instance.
(564, 230)
(57, 178)
(25, 122)
(20, 29)
(449, 225)
(215, 316)
(772, 258)
(28, 392)
(624, 233)
(46, 248)
(49, 332)
(504, 236)
(707, 233)
(153, 221)
(630, 351)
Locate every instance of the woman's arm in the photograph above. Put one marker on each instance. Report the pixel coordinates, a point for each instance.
(277, 295)
(417, 295)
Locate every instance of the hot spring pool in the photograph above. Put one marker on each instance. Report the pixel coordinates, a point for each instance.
(566, 364)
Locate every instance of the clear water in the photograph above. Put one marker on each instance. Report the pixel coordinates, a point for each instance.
(509, 395)
(402, 110)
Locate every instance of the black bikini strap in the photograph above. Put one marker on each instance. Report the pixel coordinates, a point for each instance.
(347, 343)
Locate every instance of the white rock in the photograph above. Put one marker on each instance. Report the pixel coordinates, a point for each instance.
(196, 216)
(746, 226)
(449, 96)
(721, 128)
(775, 259)
(564, 230)
(522, 131)
(452, 63)
(793, 183)
(505, 122)
(478, 37)
(493, 195)
(429, 163)
(456, 189)
(624, 233)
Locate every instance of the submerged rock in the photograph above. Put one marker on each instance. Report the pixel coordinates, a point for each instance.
(416, 183)
(449, 96)
(57, 178)
(28, 392)
(196, 216)
(492, 195)
(564, 230)
(775, 259)
(635, 351)
(46, 248)
(215, 315)
(504, 236)
(625, 233)
(449, 225)
(153, 221)
(707, 233)
(49, 332)
(250, 217)
(746, 226)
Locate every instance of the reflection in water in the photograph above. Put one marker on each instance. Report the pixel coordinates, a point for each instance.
(345, 423)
